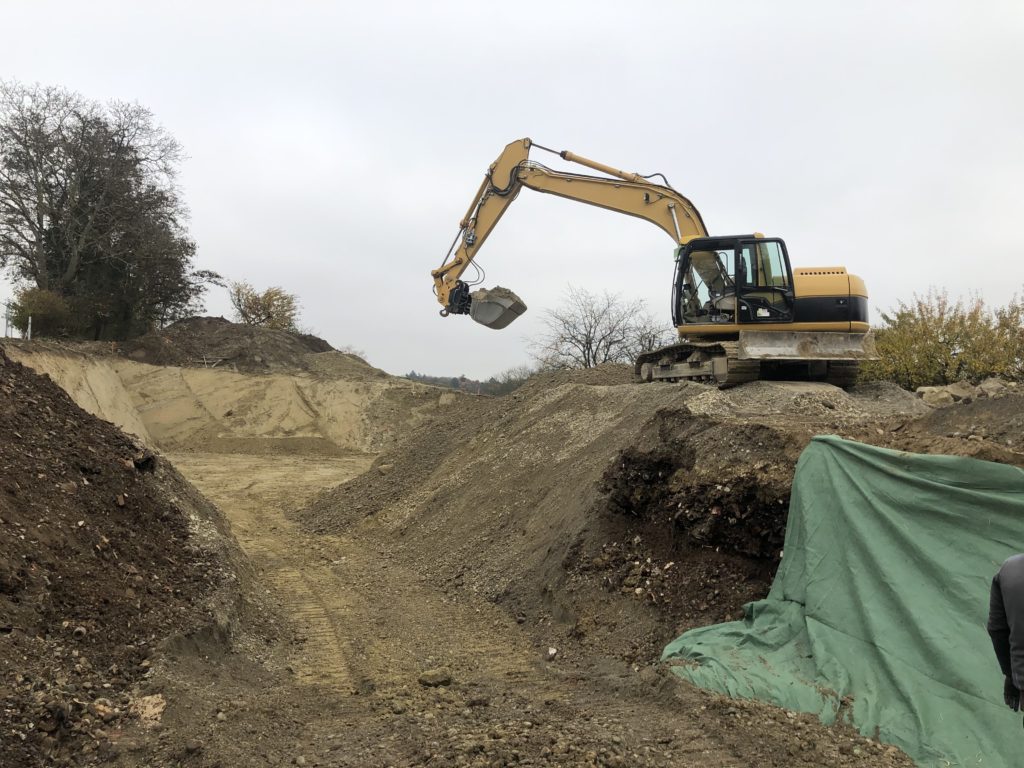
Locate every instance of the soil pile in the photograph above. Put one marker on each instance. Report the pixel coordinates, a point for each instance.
(104, 553)
(614, 514)
(998, 420)
(213, 342)
(607, 374)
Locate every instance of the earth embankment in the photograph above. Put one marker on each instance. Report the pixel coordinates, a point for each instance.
(106, 556)
(325, 408)
(457, 580)
(612, 513)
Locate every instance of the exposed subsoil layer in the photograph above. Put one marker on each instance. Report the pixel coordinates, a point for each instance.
(495, 581)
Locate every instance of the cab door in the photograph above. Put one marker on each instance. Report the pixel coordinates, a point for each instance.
(764, 281)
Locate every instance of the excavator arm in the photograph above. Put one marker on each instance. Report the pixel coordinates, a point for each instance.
(620, 191)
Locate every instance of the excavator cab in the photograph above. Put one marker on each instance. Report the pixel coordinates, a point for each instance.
(737, 279)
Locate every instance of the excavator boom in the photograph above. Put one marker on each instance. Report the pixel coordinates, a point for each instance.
(628, 193)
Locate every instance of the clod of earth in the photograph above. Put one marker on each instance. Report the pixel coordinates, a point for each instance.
(433, 678)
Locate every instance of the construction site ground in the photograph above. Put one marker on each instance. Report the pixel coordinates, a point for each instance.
(393, 574)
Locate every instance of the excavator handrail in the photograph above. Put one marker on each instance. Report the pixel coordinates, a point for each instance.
(623, 192)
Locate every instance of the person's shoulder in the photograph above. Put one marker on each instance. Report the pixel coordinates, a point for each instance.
(1013, 562)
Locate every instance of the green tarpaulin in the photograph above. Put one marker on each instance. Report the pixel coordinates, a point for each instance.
(882, 597)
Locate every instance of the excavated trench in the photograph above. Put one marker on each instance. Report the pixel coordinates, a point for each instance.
(532, 553)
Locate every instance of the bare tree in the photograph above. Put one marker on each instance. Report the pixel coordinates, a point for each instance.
(590, 329)
(273, 308)
(511, 379)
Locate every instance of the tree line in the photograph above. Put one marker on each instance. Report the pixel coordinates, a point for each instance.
(500, 384)
(92, 225)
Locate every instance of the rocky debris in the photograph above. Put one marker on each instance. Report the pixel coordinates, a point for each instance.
(989, 428)
(604, 375)
(524, 728)
(996, 387)
(149, 709)
(711, 484)
(963, 391)
(936, 396)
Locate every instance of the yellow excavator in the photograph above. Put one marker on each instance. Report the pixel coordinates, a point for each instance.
(741, 311)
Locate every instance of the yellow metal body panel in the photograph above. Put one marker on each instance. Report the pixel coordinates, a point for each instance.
(827, 281)
(858, 287)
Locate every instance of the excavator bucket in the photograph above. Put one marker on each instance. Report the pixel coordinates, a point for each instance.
(495, 307)
(803, 345)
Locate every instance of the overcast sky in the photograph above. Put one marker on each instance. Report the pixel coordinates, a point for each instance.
(333, 147)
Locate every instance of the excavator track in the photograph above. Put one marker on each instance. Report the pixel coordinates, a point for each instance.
(714, 362)
(719, 363)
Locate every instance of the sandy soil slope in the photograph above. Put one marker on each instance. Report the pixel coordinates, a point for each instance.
(388, 668)
(451, 580)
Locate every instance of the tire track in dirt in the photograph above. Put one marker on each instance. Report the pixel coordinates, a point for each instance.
(369, 624)
(254, 492)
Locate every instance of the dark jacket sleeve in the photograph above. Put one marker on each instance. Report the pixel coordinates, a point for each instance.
(1006, 618)
(998, 627)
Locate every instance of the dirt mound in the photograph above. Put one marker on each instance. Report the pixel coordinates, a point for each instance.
(209, 342)
(607, 374)
(104, 553)
(995, 419)
(617, 513)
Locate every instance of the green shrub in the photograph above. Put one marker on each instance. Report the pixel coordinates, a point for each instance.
(933, 340)
(49, 312)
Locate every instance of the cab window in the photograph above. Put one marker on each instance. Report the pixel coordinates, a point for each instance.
(765, 264)
(709, 286)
